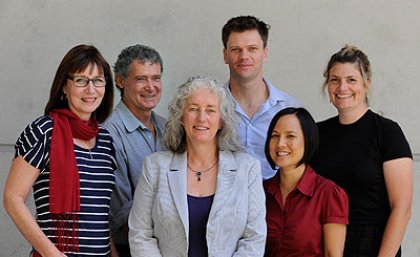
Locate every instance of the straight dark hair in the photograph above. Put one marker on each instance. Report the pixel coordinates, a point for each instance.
(77, 60)
(309, 129)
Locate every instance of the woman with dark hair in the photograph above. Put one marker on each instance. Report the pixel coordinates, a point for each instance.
(204, 197)
(306, 213)
(367, 155)
(68, 161)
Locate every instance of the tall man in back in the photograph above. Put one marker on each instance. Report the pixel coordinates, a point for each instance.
(135, 128)
(257, 100)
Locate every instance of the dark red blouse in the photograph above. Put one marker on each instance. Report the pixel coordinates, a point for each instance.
(295, 229)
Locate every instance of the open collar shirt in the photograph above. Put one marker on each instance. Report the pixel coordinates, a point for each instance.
(253, 132)
(295, 228)
(133, 141)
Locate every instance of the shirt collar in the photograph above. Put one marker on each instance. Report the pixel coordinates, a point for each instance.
(131, 123)
(272, 185)
(274, 95)
(306, 184)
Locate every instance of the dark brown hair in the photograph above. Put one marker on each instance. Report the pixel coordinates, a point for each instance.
(77, 60)
(244, 23)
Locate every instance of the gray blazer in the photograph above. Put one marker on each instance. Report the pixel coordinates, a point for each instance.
(158, 220)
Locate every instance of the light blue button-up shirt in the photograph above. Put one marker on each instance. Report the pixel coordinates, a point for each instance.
(253, 132)
(132, 141)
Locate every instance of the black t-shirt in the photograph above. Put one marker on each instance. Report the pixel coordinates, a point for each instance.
(353, 155)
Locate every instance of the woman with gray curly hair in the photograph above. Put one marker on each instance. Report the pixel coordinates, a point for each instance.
(204, 197)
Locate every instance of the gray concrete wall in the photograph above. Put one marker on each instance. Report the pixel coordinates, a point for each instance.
(36, 34)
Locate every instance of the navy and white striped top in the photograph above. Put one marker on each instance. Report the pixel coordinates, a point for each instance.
(96, 184)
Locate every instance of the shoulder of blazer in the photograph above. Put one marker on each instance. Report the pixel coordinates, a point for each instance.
(242, 158)
(158, 159)
(155, 163)
(235, 161)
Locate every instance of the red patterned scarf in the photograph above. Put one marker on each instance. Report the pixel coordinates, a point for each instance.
(64, 175)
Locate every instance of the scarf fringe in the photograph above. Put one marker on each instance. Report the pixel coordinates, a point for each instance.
(67, 232)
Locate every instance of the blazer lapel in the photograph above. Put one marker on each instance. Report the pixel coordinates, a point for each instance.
(225, 180)
(177, 179)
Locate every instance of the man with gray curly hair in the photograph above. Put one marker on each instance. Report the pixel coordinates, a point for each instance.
(135, 128)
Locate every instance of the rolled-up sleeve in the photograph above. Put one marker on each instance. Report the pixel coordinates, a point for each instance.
(337, 207)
